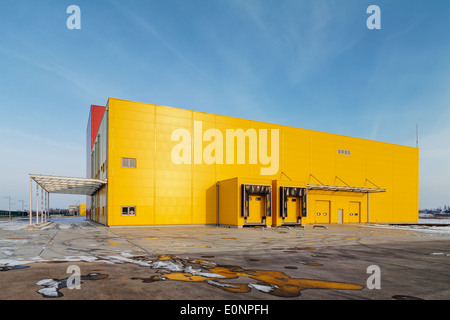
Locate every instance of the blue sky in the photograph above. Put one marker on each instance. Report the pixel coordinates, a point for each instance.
(306, 63)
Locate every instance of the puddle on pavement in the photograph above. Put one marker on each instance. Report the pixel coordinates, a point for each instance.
(53, 286)
(311, 264)
(275, 283)
(403, 297)
(7, 268)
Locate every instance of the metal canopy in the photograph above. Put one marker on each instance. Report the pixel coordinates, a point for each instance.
(343, 188)
(68, 185)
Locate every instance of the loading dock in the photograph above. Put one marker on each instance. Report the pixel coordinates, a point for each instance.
(256, 209)
(256, 203)
(289, 199)
(244, 202)
(292, 205)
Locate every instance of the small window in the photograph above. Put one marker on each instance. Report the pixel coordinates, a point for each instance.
(293, 200)
(128, 162)
(129, 211)
(324, 213)
(318, 213)
(258, 199)
(341, 151)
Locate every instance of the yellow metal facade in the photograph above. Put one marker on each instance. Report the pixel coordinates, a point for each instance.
(170, 166)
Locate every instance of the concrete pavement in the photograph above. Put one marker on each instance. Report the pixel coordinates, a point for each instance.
(203, 263)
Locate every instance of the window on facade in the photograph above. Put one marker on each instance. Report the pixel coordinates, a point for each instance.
(341, 151)
(128, 162)
(129, 211)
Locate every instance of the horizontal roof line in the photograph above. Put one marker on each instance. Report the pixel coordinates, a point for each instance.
(343, 188)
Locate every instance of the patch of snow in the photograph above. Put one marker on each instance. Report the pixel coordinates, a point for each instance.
(38, 259)
(168, 265)
(224, 285)
(425, 215)
(13, 225)
(13, 241)
(440, 254)
(51, 287)
(8, 252)
(434, 221)
(11, 262)
(262, 288)
(198, 272)
(421, 226)
(78, 258)
(123, 259)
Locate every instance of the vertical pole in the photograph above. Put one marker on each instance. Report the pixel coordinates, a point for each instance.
(42, 205)
(217, 204)
(31, 209)
(45, 210)
(48, 205)
(37, 203)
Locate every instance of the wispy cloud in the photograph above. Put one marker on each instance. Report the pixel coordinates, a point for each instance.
(305, 37)
(143, 24)
(35, 56)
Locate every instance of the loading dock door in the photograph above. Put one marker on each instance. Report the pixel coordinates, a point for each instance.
(354, 213)
(256, 208)
(256, 201)
(293, 210)
(322, 211)
(292, 204)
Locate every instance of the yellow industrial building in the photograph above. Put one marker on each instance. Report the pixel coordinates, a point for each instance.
(170, 166)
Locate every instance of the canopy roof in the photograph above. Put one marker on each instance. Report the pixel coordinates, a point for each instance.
(68, 185)
(343, 188)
